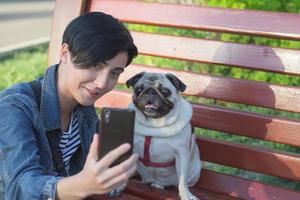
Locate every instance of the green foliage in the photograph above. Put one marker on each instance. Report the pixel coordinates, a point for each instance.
(24, 65)
(268, 5)
(274, 5)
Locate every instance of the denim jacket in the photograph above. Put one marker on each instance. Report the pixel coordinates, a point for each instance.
(26, 165)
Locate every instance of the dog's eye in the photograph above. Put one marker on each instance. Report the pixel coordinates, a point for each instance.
(138, 90)
(165, 92)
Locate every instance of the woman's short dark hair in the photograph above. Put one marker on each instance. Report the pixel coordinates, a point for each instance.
(95, 37)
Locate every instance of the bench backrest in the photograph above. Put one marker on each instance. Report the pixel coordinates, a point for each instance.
(216, 90)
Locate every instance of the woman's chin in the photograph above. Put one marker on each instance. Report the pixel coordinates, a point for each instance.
(86, 104)
(87, 101)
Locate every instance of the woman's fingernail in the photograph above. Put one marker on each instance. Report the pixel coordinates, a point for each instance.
(126, 146)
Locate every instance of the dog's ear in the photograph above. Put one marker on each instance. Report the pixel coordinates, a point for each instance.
(180, 86)
(134, 79)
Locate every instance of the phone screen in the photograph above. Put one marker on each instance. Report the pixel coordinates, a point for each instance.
(116, 128)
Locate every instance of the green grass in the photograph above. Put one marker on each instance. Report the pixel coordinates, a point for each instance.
(23, 65)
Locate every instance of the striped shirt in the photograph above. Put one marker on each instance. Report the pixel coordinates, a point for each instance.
(70, 141)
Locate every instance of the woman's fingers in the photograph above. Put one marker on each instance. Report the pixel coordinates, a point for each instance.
(120, 179)
(122, 168)
(106, 178)
(93, 152)
(113, 155)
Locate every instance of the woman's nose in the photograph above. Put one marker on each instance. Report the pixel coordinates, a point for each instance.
(101, 81)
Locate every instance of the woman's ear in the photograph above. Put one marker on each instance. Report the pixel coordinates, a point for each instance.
(65, 55)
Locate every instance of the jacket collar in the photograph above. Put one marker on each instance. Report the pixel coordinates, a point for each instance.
(50, 107)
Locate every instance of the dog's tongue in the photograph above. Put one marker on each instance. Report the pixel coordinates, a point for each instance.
(150, 106)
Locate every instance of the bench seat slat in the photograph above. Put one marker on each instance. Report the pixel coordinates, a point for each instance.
(281, 25)
(256, 159)
(212, 185)
(253, 125)
(225, 120)
(259, 57)
(229, 89)
(171, 193)
(242, 188)
(210, 195)
(143, 190)
(124, 196)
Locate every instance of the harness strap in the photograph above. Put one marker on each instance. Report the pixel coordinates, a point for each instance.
(146, 160)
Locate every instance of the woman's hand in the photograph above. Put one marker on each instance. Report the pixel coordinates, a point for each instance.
(97, 177)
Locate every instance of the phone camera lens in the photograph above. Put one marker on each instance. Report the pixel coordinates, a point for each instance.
(106, 115)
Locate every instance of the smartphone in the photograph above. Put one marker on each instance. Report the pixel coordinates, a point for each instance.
(116, 128)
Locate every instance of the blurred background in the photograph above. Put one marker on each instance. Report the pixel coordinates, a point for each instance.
(26, 24)
(25, 28)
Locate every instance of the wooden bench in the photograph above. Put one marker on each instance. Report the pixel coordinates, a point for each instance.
(220, 117)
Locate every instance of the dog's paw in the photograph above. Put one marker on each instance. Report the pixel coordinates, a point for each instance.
(193, 198)
(188, 197)
(116, 192)
(157, 186)
(185, 194)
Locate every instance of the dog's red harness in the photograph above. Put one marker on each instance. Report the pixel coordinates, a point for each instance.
(146, 160)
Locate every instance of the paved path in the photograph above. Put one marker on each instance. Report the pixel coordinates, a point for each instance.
(24, 22)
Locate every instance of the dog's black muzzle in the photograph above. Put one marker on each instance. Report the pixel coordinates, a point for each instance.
(151, 92)
(152, 95)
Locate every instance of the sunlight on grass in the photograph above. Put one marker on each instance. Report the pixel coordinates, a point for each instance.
(24, 65)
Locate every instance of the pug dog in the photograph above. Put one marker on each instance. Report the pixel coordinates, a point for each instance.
(164, 138)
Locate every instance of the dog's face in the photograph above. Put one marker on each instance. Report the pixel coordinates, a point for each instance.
(155, 94)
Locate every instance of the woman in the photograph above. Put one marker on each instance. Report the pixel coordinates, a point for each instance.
(95, 50)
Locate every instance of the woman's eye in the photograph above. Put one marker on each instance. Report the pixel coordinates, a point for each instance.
(116, 73)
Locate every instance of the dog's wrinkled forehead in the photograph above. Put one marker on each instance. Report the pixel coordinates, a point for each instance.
(155, 79)
(145, 79)
(152, 77)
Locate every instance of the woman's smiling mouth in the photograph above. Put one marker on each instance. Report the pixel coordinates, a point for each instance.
(92, 93)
